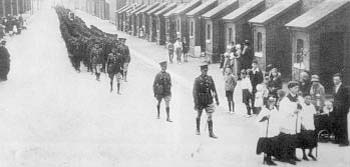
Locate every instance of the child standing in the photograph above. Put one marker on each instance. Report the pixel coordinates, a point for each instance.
(246, 91)
(307, 134)
(261, 95)
(230, 85)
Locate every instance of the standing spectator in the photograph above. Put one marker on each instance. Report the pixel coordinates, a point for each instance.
(317, 92)
(247, 55)
(256, 77)
(261, 95)
(280, 95)
(225, 62)
(275, 82)
(341, 110)
(290, 107)
(307, 136)
(178, 50)
(305, 83)
(235, 58)
(230, 85)
(170, 47)
(246, 86)
(185, 49)
(4, 61)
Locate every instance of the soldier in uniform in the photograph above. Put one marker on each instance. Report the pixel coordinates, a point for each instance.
(162, 89)
(203, 93)
(96, 59)
(124, 49)
(114, 68)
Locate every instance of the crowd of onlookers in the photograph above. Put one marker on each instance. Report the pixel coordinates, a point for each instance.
(179, 49)
(11, 25)
(293, 117)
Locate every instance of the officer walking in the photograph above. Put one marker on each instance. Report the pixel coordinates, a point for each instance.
(96, 59)
(162, 89)
(203, 93)
(114, 68)
(124, 49)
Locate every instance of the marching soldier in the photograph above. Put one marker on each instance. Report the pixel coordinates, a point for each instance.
(162, 89)
(124, 49)
(203, 93)
(114, 68)
(96, 59)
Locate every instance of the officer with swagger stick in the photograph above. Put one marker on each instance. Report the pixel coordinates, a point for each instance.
(204, 92)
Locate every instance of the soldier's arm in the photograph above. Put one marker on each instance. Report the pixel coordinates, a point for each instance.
(155, 82)
(213, 89)
(170, 80)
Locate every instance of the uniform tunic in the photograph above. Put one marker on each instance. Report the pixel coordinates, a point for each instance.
(162, 85)
(203, 88)
(115, 62)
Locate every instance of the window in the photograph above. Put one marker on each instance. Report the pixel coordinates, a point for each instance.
(208, 31)
(191, 28)
(300, 52)
(259, 42)
(178, 25)
(300, 45)
(229, 35)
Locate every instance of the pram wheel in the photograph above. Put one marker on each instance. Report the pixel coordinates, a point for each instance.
(323, 136)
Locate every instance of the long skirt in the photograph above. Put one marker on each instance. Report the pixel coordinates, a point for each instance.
(281, 146)
(307, 139)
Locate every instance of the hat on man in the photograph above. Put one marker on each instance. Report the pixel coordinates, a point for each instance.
(292, 84)
(205, 66)
(315, 78)
(163, 63)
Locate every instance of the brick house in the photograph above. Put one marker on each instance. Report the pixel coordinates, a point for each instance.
(118, 17)
(160, 27)
(153, 22)
(170, 31)
(145, 18)
(214, 28)
(128, 19)
(181, 21)
(121, 17)
(133, 17)
(271, 38)
(196, 24)
(321, 41)
(237, 27)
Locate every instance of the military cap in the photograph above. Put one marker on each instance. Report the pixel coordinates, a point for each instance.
(205, 66)
(163, 63)
(292, 84)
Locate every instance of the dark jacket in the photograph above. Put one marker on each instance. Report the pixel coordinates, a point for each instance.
(256, 78)
(162, 85)
(203, 88)
(341, 99)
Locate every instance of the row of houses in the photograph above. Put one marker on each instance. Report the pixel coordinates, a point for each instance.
(14, 7)
(294, 35)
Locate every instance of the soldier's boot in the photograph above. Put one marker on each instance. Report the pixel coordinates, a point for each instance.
(229, 106)
(98, 76)
(210, 128)
(198, 126)
(125, 76)
(118, 88)
(168, 114)
(158, 112)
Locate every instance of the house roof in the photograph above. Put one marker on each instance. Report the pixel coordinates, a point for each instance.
(133, 8)
(188, 7)
(148, 8)
(166, 9)
(171, 12)
(275, 11)
(244, 10)
(159, 7)
(138, 9)
(220, 8)
(127, 8)
(318, 13)
(122, 8)
(204, 7)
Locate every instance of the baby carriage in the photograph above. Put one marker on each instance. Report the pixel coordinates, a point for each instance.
(323, 125)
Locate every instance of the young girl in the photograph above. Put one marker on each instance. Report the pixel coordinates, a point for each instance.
(230, 84)
(307, 134)
(246, 86)
(261, 95)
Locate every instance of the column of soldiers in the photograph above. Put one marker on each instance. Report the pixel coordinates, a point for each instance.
(99, 51)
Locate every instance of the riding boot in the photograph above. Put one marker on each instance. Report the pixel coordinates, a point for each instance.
(125, 76)
(158, 112)
(210, 128)
(233, 106)
(168, 114)
(198, 125)
(118, 88)
(229, 106)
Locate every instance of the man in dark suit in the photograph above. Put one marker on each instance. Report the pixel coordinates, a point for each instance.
(341, 110)
(256, 77)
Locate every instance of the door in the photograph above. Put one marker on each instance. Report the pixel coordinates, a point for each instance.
(331, 57)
